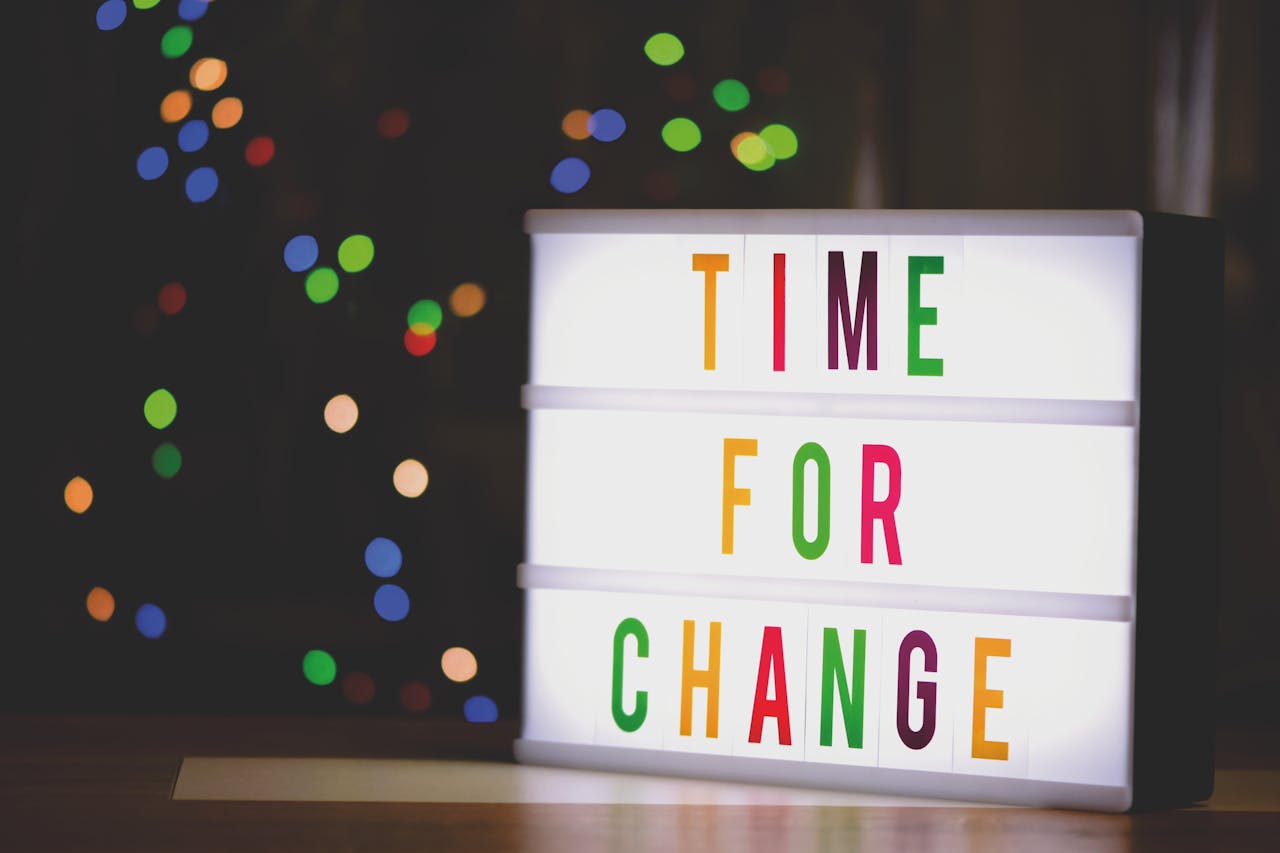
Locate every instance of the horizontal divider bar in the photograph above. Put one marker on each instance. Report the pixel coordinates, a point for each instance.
(866, 406)
(1007, 602)
(901, 223)
(963, 787)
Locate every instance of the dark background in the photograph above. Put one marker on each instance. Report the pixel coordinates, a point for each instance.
(255, 549)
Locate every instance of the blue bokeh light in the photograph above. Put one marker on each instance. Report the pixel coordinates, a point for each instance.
(391, 602)
(301, 253)
(152, 163)
(570, 175)
(111, 14)
(150, 621)
(480, 709)
(192, 10)
(193, 135)
(383, 557)
(202, 183)
(606, 125)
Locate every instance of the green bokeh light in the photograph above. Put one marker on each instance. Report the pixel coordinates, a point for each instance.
(681, 134)
(731, 95)
(781, 140)
(166, 460)
(160, 408)
(355, 253)
(322, 285)
(145, 4)
(319, 667)
(176, 41)
(425, 313)
(753, 153)
(664, 49)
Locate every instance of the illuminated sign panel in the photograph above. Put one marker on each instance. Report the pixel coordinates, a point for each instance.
(906, 502)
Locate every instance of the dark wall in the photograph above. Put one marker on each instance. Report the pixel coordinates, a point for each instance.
(255, 549)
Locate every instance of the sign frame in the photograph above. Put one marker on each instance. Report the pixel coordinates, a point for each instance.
(1176, 549)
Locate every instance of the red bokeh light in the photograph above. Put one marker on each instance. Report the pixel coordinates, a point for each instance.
(680, 86)
(259, 151)
(393, 123)
(415, 697)
(358, 688)
(146, 320)
(418, 344)
(171, 298)
(774, 81)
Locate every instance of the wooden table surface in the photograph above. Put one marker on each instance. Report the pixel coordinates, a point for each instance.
(106, 783)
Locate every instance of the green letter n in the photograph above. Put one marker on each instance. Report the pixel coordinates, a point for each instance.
(833, 678)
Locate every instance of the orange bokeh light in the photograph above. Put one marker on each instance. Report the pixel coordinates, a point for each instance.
(467, 299)
(175, 106)
(574, 124)
(459, 664)
(208, 74)
(100, 604)
(227, 113)
(78, 494)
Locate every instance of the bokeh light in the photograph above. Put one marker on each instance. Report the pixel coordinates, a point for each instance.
(391, 602)
(574, 124)
(731, 95)
(171, 298)
(393, 123)
(78, 495)
(606, 125)
(467, 299)
(681, 134)
(193, 135)
(152, 163)
(415, 697)
(480, 709)
(781, 140)
(150, 621)
(341, 413)
(358, 688)
(259, 151)
(410, 478)
(774, 81)
(301, 252)
(355, 253)
(111, 14)
(458, 664)
(321, 285)
(425, 316)
(100, 603)
(166, 460)
(419, 345)
(752, 152)
(208, 73)
(227, 112)
(383, 557)
(570, 175)
(146, 319)
(661, 185)
(145, 4)
(175, 106)
(319, 667)
(663, 49)
(202, 183)
(192, 10)
(680, 86)
(176, 41)
(160, 408)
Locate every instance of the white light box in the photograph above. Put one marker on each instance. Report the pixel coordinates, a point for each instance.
(913, 502)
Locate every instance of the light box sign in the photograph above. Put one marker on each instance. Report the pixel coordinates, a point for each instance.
(905, 502)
